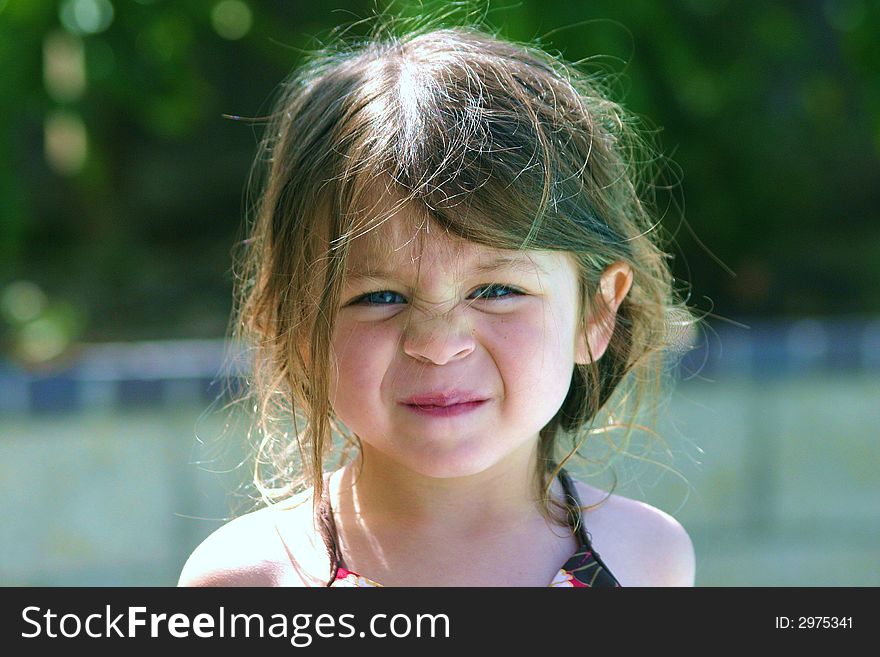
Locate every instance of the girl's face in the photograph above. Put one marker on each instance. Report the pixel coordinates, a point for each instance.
(503, 333)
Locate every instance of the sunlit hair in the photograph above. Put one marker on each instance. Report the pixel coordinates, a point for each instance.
(497, 143)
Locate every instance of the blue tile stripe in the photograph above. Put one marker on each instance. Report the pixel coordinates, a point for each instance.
(778, 349)
(121, 375)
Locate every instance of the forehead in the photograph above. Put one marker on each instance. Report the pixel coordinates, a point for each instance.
(404, 244)
(408, 238)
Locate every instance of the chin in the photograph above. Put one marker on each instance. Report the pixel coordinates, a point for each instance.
(452, 453)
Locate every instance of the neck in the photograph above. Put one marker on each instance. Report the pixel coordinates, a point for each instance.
(378, 491)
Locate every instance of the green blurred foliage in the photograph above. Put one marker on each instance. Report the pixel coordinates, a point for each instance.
(769, 111)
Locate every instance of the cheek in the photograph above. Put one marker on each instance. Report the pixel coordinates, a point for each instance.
(361, 353)
(534, 353)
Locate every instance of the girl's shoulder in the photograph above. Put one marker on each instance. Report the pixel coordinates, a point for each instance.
(275, 546)
(641, 544)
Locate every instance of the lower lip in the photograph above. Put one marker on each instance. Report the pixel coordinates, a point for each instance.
(446, 411)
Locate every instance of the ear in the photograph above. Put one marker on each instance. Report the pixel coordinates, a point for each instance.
(614, 285)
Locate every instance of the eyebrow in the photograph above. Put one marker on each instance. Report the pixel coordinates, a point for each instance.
(517, 263)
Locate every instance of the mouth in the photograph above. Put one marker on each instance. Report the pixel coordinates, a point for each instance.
(445, 404)
(444, 399)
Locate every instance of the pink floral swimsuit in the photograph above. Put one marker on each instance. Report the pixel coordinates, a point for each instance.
(583, 569)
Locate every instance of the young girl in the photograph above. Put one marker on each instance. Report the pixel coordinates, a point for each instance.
(453, 272)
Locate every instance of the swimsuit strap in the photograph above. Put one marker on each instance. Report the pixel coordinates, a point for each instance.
(574, 506)
(586, 565)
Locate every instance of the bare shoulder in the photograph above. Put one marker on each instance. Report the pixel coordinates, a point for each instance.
(641, 544)
(269, 547)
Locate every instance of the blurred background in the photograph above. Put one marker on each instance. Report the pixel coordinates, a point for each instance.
(122, 193)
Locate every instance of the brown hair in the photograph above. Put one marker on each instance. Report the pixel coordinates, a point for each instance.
(499, 143)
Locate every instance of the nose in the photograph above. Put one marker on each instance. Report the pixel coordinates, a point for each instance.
(438, 339)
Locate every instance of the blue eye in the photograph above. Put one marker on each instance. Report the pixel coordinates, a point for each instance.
(390, 298)
(494, 288)
(380, 298)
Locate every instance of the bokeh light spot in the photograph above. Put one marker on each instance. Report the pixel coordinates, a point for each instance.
(66, 142)
(86, 16)
(42, 340)
(64, 66)
(232, 19)
(22, 301)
